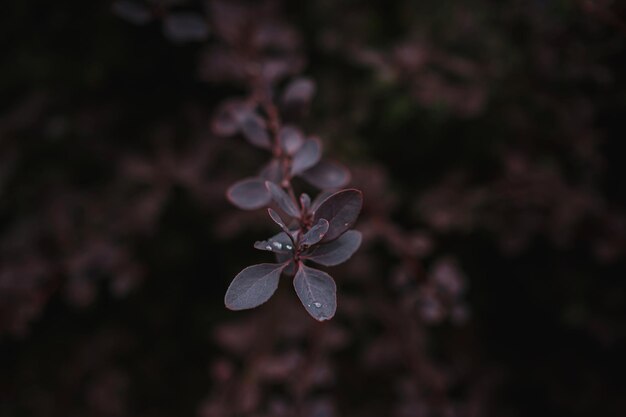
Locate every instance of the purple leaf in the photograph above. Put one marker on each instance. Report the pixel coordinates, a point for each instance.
(327, 175)
(225, 122)
(287, 258)
(272, 172)
(279, 243)
(341, 210)
(282, 199)
(185, 27)
(299, 92)
(305, 202)
(254, 129)
(291, 139)
(253, 286)
(336, 252)
(319, 199)
(316, 233)
(308, 155)
(317, 291)
(276, 218)
(249, 194)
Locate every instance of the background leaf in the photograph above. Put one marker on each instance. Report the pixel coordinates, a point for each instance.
(249, 194)
(308, 155)
(283, 200)
(327, 175)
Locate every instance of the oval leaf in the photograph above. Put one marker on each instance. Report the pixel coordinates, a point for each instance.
(272, 172)
(254, 129)
(277, 219)
(308, 155)
(327, 175)
(282, 199)
(249, 194)
(305, 202)
(317, 292)
(316, 233)
(253, 286)
(280, 243)
(291, 139)
(299, 92)
(341, 210)
(336, 252)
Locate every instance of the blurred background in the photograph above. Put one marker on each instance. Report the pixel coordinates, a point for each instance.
(486, 138)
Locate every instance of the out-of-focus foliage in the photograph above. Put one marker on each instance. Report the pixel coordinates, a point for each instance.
(485, 136)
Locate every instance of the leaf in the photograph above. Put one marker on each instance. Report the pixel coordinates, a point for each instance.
(279, 243)
(254, 129)
(336, 252)
(308, 155)
(317, 292)
(249, 194)
(316, 233)
(272, 172)
(282, 199)
(253, 286)
(287, 258)
(327, 175)
(291, 139)
(185, 27)
(341, 210)
(299, 92)
(224, 122)
(276, 218)
(305, 202)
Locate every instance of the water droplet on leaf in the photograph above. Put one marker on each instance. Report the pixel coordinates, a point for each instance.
(277, 245)
(318, 305)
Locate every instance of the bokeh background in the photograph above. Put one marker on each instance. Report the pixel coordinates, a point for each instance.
(486, 136)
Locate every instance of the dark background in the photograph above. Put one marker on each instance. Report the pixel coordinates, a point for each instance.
(491, 130)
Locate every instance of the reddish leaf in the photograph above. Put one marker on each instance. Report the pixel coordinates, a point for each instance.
(282, 199)
(316, 233)
(291, 139)
(279, 243)
(317, 292)
(327, 175)
(272, 172)
(308, 155)
(254, 129)
(341, 210)
(305, 202)
(336, 252)
(249, 194)
(299, 92)
(253, 286)
(225, 121)
(277, 219)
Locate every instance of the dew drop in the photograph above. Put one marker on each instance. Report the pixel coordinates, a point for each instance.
(268, 247)
(346, 224)
(289, 247)
(318, 305)
(277, 245)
